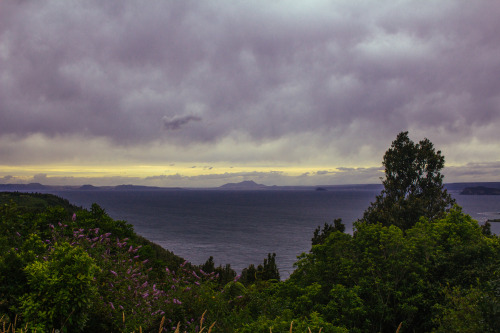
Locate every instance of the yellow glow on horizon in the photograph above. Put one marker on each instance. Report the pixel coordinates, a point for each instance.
(142, 171)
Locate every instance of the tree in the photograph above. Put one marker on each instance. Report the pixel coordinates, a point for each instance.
(413, 186)
(320, 236)
(62, 289)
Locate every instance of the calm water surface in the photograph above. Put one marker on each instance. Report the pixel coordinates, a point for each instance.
(241, 227)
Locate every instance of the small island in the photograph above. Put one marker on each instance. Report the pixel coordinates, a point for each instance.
(480, 190)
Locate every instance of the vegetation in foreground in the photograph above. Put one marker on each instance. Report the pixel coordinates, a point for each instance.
(414, 263)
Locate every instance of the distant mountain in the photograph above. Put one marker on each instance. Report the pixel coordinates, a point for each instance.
(23, 187)
(245, 185)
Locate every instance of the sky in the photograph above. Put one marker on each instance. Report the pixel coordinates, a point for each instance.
(203, 93)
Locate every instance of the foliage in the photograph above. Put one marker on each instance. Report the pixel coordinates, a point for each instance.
(413, 186)
(77, 272)
(268, 270)
(381, 277)
(61, 289)
(320, 236)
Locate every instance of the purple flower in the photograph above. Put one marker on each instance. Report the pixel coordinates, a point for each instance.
(111, 305)
(73, 217)
(113, 272)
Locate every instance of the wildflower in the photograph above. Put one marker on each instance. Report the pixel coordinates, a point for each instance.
(111, 305)
(17, 233)
(184, 263)
(113, 272)
(73, 218)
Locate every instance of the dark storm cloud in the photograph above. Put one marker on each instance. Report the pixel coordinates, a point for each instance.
(175, 122)
(350, 73)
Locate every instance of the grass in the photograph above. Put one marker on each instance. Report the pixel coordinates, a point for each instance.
(11, 327)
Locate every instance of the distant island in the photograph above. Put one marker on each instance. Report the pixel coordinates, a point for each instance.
(476, 188)
(480, 190)
(244, 185)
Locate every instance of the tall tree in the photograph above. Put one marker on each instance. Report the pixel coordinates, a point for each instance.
(413, 186)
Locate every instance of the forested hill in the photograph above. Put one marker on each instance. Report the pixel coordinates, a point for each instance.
(36, 201)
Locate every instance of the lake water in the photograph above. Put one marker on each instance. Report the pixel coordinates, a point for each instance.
(242, 227)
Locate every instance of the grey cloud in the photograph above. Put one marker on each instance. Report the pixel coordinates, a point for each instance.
(350, 74)
(176, 122)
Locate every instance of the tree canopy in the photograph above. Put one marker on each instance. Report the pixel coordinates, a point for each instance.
(413, 185)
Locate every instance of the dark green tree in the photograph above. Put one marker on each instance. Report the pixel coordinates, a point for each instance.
(320, 236)
(413, 185)
(269, 270)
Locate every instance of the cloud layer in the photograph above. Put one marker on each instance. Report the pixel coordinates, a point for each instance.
(270, 83)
